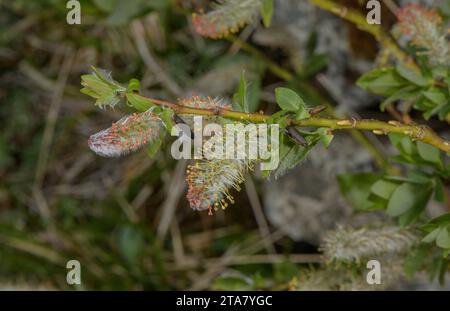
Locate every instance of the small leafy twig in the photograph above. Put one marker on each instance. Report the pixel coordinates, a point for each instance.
(416, 132)
(288, 76)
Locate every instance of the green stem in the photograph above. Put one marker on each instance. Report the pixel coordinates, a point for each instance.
(377, 31)
(416, 132)
(284, 74)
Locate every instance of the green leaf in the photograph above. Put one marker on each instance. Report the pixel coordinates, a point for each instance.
(289, 100)
(302, 113)
(138, 102)
(356, 189)
(403, 143)
(166, 116)
(430, 237)
(436, 96)
(326, 136)
(416, 259)
(421, 202)
(241, 96)
(384, 188)
(403, 199)
(384, 81)
(267, 12)
(154, 147)
(291, 156)
(439, 191)
(134, 86)
(102, 87)
(429, 153)
(411, 76)
(404, 93)
(443, 238)
(440, 221)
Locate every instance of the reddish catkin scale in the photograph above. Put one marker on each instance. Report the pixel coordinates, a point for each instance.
(127, 135)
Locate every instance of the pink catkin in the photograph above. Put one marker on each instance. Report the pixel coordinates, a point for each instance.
(424, 28)
(127, 135)
(227, 17)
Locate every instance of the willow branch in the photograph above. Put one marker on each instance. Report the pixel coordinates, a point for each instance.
(379, 158)
(421, 133)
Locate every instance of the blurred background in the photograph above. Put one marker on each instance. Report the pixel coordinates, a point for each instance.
(126, 220)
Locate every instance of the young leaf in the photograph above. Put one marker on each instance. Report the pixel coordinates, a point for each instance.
(267, 12)
(134, 86)
(384, 81)
(326, 136)
(241, 96)
(411, 76)
(415, 260)
(436, 96)
(430, 237)
(102, 87)
(384, 188)
(429, 153)
(443, 238)
(408, 197)
(290, 156)
(138, 102)
(356, 189)
(404, 93)
(289, 100)
(166, 116)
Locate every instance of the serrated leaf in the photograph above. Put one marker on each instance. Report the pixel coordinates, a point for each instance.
(102, 87)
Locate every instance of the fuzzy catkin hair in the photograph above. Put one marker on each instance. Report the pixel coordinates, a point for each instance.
(209, 183)
(344, 278)
(425, 29)
(228, 16)
(127, 135)
(354, 245)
